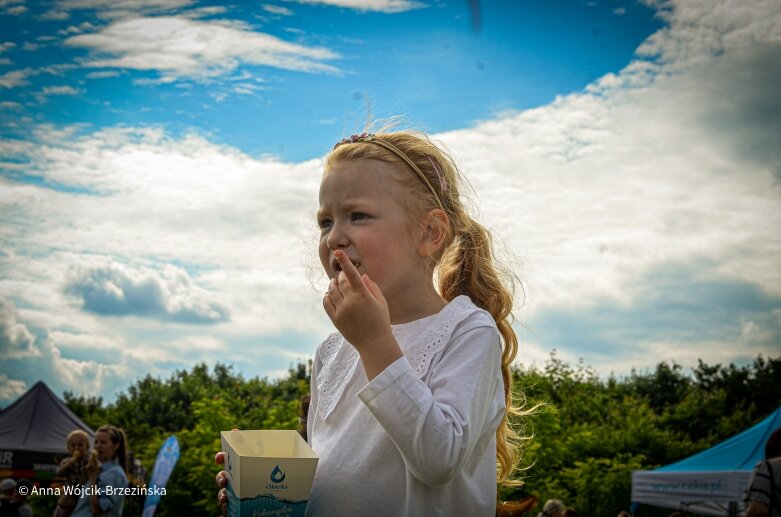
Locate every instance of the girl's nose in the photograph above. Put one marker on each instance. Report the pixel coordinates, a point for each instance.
(337, 237)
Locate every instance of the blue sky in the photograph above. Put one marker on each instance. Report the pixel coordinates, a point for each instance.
(159, 165)
(441, 65)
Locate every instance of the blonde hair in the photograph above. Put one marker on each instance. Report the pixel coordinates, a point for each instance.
(466, 263)
(77, 434)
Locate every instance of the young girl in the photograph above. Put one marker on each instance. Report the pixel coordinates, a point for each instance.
(410, 398)
(74, 469)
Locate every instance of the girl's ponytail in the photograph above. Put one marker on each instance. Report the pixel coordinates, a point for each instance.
(467, 267)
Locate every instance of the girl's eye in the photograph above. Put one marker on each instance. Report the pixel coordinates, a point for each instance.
(324, 223)
(358, 216)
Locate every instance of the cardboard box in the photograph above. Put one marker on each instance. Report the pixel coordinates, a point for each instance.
(270, 473)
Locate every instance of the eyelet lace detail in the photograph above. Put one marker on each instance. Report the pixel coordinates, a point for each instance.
(340, 359)
(336, 356)
(437, 335)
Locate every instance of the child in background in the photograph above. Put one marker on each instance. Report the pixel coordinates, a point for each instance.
(74, 469)
(410, 398)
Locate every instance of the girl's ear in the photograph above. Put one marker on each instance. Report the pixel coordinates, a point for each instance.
(434, 228)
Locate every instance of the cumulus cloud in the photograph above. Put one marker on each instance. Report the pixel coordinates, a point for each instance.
(11, 389)
(654, 172)
(239, 225)
(12, 7)
(61, 90)
(643, 214)
(86, 355)
(384, 6)
(115, 290)
(179, 47)
(697, 30)
(103, 75)
(111, 9)
(16, 340)
(15, 78)
(277, 9)
(102, 374)
(676, 313)
(670, 163)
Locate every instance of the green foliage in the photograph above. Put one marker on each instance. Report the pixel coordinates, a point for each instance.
(588, 437)
(195, 406)
(592, 433)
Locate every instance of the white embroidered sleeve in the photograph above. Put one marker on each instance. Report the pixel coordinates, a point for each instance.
(443, 426)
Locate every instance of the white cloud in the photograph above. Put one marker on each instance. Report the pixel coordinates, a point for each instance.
(671, 163)
(699, 29)
(277, 9)
(15, 10)
(188, 201)
(203, 12)
(55, 14)
(113, 9)
(103, 75)
(179, 47)
(86, 357)
(11, 389)
(608, 185)
(20, 77)
(385, 6)
(15, 78)
(16, 340)
(77, 29)
(61, 90)
(112, 289)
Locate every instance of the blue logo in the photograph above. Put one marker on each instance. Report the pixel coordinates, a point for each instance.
(277, 476)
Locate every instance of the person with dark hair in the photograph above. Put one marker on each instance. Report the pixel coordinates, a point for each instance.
(106, 468)
(763, 496)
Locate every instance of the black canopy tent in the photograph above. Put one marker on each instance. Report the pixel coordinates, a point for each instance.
(33, 431)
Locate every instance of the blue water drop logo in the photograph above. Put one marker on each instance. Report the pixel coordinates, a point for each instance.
(277, 476)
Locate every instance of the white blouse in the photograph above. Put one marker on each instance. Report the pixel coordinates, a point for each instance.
(420, 438)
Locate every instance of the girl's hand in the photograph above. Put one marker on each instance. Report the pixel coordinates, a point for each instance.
(355, 304)
(222, 482)
(359, 311)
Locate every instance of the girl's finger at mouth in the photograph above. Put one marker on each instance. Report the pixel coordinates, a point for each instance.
(343, 260)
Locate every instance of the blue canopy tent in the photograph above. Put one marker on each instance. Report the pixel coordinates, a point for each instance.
(711, 482)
